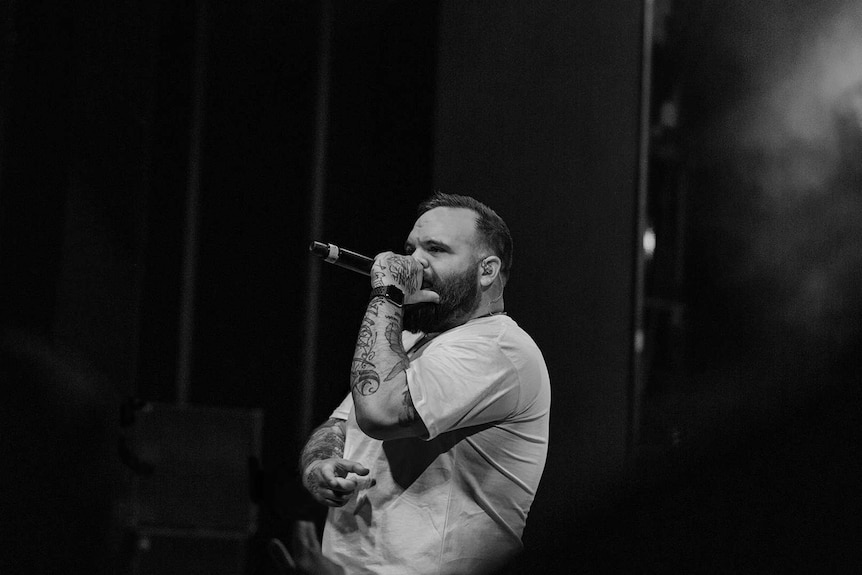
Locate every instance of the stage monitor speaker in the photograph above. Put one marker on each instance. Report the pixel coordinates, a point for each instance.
(172, 554)
(191, 507)
(200, 467)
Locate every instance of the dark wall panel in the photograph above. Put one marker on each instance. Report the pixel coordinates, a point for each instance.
(34, 158)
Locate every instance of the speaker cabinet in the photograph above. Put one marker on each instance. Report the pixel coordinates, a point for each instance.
(191, 508)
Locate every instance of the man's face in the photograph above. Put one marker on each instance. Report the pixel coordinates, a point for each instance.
(444, 241)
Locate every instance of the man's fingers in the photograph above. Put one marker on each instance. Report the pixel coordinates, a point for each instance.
(346, 466)
(332, 470)
(333, 497)
(404, 271)
(343, 485)
(424, 296)
(333, 487)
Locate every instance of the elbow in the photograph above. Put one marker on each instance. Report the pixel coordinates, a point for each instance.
(384, 422)
(374, 426)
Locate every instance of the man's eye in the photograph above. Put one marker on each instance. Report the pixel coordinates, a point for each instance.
(435, 249)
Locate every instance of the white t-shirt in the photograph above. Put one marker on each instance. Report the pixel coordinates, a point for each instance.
(457, 501)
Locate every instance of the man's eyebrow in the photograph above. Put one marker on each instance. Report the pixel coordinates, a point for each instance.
(431, 242)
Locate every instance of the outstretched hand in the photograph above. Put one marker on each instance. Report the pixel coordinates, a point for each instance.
(404, 272)
(326, 480)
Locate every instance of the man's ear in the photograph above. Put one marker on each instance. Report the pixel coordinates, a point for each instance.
(489, 269)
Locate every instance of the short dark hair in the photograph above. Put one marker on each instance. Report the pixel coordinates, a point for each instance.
(493, 231)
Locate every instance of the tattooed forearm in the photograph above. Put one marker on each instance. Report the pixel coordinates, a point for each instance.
(363, 374)
(364, 354)
(393, 337)
(378, 375)
(325, 442)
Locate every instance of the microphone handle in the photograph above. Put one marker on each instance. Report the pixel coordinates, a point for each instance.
(347, 259)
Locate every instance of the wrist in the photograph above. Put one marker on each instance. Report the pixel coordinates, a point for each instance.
(391, 293)
(308, 471)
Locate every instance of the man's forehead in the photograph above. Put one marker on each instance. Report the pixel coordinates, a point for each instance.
(451, 225)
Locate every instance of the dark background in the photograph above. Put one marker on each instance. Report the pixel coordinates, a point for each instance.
(163, 166)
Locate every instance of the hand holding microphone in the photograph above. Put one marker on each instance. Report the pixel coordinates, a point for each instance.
(404, 272)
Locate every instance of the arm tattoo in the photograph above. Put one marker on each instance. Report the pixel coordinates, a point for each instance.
(366, 381)
(401, 273)
(393, 336)
(363, 377)
(377, 375)
(400, 269)
(408, 416)
(325, 442)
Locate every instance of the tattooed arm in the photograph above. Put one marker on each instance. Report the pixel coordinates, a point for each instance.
(378, 377)
(324, 471)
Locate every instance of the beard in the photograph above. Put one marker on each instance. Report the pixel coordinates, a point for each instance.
(459, 297)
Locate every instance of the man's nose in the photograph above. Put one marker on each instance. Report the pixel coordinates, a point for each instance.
(419, 256)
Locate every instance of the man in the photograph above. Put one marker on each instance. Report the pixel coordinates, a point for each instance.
(431, 463)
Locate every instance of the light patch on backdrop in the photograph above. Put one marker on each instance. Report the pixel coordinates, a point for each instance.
(792, 121)
(797, 143)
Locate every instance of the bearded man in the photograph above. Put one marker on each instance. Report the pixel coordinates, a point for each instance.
(431, 463)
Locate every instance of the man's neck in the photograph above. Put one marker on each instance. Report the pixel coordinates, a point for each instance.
(486, 308)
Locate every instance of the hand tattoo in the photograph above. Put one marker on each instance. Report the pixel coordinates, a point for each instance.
(400, 270)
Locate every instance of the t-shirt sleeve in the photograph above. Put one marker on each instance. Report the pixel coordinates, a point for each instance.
(462, 383)
(344, 408)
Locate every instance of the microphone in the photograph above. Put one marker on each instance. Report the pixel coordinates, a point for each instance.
(347, 259)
